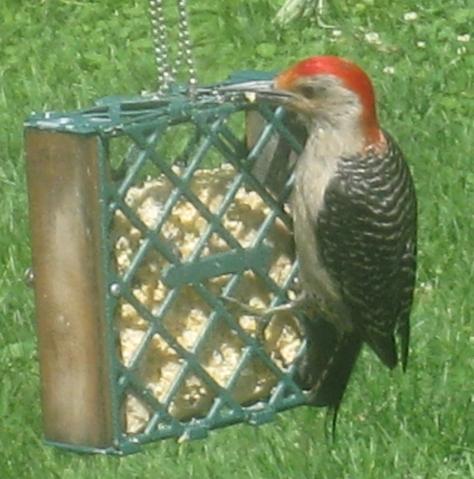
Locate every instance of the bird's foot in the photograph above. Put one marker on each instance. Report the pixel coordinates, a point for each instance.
(288, 307)
(264, 314)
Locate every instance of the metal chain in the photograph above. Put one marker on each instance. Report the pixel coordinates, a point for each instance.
(185, 53)
(184, 58)
(158, 26)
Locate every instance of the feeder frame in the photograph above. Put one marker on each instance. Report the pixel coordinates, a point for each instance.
(72, 201)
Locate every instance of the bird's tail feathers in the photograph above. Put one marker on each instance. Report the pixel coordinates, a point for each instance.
(327, 366)
(384, 347)
(404, 334)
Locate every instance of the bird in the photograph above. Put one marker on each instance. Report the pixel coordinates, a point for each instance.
(354, 211)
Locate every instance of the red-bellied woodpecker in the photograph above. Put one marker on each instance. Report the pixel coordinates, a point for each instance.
(354, 211)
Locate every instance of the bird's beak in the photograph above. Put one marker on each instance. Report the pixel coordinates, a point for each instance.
(259, 90)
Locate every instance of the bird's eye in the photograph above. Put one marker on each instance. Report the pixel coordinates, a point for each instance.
(309, 91)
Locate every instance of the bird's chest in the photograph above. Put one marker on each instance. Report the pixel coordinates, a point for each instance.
(317, 167)
(312, 177)
(311, 180)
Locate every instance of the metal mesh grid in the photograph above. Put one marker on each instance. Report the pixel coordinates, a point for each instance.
(209, 134)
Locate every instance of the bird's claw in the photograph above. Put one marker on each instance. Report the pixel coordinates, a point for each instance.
(264, 314)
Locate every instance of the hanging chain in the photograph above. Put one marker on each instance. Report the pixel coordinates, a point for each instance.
(166, 72)
(185, 54)
(158, 26)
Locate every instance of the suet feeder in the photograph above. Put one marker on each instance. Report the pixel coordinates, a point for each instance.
(146, 213)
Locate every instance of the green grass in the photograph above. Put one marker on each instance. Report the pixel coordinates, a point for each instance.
(64, 54)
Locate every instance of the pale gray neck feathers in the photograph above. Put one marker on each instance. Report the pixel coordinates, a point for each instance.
(334, 132)
(334, 126)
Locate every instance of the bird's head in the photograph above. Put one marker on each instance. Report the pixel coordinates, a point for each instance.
(327, 90)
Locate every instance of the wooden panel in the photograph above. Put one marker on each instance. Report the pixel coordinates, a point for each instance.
(64, 208)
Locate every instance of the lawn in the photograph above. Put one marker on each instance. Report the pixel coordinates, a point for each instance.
(59, 55)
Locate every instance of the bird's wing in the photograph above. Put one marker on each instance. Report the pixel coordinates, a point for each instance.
(366, 236)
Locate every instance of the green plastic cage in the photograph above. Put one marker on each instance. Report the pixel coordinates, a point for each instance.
(146, 213)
